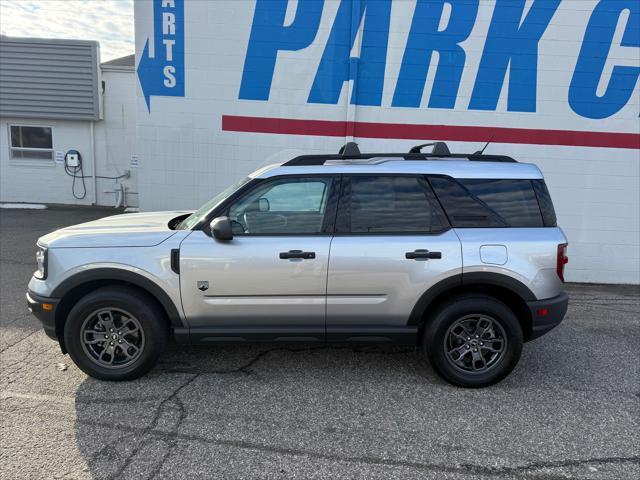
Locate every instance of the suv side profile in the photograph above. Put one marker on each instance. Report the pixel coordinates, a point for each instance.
(459, 254)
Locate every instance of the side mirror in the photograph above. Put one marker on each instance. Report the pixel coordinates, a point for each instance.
(263, 204)
(221, 229)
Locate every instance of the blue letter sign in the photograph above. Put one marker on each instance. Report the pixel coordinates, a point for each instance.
(513, 43)
(163, 74)
(593, 55)
(269, 35)
(367, 71)
(424, 39)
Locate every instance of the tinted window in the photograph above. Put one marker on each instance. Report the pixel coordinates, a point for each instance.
(283, 206)
(379, 204)
(514, 201)
(489, 202)
(546, 205)
(462, 209)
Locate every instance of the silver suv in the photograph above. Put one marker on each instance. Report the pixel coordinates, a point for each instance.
(457, 253)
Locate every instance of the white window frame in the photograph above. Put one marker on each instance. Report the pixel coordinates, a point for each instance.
(30, 161)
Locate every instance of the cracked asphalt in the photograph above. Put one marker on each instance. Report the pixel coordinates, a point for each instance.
(569, 410)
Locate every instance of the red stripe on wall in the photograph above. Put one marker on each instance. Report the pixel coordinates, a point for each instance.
(408, 131)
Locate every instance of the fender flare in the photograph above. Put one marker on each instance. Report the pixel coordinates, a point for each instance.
(499, 280)
(468, 279)
(117, 274)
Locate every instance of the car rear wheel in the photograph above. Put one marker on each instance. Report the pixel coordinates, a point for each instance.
(473, 340)
(115, 334)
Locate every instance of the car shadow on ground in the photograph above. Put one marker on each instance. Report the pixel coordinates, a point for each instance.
(301, 401)
(250, 386)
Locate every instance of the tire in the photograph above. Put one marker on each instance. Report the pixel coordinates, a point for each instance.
(459, 357)
(116, 325)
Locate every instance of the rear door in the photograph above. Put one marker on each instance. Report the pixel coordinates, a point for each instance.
(392, 243)
(268, 282)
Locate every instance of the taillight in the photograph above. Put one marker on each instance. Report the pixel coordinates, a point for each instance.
(562, 260)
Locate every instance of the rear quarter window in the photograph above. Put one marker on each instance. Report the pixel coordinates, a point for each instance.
(490, 202)
(546, 205)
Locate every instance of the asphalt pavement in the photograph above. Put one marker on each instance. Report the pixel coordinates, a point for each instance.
(570, 409)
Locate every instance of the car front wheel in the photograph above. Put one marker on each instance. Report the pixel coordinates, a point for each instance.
(114, 333)
(473, 340)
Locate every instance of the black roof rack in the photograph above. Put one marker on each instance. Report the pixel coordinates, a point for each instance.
(350, 151)
(439, 148)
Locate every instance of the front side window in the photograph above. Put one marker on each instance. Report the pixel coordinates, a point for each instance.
(295, 205)
(201, 214)
(390, 204)
(31, 143)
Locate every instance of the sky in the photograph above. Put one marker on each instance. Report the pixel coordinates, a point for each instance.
(110, 22)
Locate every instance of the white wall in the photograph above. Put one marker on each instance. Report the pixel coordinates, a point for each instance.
(115, 135)
(186, 156)
(45, 182)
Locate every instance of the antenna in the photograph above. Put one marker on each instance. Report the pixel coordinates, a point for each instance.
(480, 152)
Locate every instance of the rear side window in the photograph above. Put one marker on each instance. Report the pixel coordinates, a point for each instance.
(546, 205)
(390, 204)
(489, 202)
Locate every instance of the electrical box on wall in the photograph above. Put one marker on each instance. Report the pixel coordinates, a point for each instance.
(72, 158)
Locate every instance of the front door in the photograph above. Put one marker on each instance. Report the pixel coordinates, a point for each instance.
(392, 243)
(268, 282)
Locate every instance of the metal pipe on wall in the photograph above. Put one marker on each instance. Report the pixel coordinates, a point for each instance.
(93, 164)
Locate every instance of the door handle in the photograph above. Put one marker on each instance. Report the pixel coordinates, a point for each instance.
(422, 254)
(297, 254)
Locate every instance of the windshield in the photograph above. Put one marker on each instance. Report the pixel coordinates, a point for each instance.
(199, 215)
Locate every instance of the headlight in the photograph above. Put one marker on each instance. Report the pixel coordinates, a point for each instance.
(41, 260)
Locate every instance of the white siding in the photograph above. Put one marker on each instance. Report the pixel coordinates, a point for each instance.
(36, 181)
(49, 78)
(115, 136)
(47, 182)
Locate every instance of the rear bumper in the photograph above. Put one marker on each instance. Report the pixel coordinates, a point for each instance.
(44, 309)
(547, 314)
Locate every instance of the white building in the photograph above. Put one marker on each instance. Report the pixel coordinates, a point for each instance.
(223, 87)
(56, 98)
(115, 134)
(227, 86)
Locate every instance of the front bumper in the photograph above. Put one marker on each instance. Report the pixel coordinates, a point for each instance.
(44, 309)
(547, 314)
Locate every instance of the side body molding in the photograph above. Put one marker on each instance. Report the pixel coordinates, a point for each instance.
(107, 274)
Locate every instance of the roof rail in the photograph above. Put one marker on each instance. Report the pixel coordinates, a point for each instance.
(350, 151)
(349, 148)
(439, 148)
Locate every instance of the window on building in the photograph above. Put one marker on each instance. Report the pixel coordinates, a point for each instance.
(31, 142)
